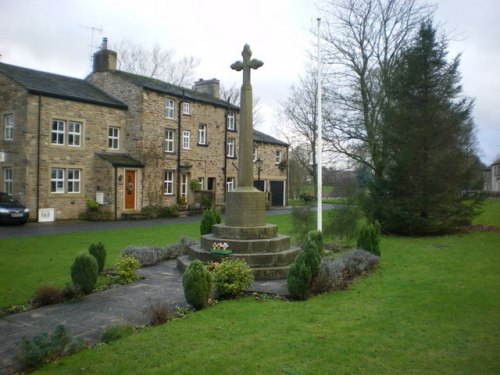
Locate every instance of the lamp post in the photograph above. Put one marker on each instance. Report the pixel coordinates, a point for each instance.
(258, 164)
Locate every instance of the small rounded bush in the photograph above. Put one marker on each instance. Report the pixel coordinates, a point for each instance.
(232, 277)
(84, 272)
(369, 238)
(47, 295)
(209, 219)
(317, 237)
(99, 253)
(311, 255)
(197, 283)
(127, 267)
(299, 279)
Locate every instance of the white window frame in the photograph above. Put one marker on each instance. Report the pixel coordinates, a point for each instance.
(278, 156)
(184, 185)
(113, 138)
(230, 184)
(202, 134)
(74, 133)
(186, 108)
(57, 180)
(57, 133)
(186, 139)
(7, 180)
(170, 108)
(169, 182)
(8, 122)
(230, 121)
(169, 140)
(230, 148)
(74, 180)
(255, 154)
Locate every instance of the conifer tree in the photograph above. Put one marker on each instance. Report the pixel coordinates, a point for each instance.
(428, 130)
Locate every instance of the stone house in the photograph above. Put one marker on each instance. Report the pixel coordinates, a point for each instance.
(492, 178)
(125, 140)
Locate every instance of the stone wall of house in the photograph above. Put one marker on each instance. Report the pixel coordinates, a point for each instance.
(132, 95)
(198, 160)
(13, 100)
(95, 121)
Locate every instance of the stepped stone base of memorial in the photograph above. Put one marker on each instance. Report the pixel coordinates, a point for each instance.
(262, 248)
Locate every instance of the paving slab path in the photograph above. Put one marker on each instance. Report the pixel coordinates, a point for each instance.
(88, 318)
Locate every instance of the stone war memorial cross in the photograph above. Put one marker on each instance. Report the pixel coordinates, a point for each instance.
(249, 238)
(246, 205)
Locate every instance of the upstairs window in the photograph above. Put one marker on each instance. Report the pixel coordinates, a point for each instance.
(66, 133)
(57, 132)
(279, 156)
(8, 123)
(169, 140)
(186, 108)
(255, 154)
(113, 138)
(74, 133)
(169, 109)
(230, 122)
(230, 148)
(186, 139)
(202, 134)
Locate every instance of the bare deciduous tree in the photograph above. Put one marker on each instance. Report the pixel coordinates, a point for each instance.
(156, 62)
(362, 40)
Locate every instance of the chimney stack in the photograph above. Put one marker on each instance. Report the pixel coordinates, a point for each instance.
(104, 59)
(209, 87)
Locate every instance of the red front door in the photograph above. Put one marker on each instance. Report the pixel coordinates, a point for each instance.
(130, 188)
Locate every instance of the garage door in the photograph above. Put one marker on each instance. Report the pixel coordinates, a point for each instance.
(277, 193)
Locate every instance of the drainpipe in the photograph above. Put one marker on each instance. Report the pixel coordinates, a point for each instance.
(38, 152)
(179, 139)
(226, 122)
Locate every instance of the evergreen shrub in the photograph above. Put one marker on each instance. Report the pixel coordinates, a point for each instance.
(84, 272)
(127, 267)
(299, 278)
(303, 271)
(117, 332)
(232, 276)
(45, 348)
(197, 283)
(209, 218)
(369, 238)
(99, 253)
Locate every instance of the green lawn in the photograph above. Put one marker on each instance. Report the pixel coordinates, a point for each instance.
(431, 307)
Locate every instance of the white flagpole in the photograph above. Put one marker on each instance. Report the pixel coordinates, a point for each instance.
(319, 141)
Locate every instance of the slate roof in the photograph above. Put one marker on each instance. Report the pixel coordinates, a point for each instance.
(167, 88)
(121, 160)
(58, 86)
(264, 138)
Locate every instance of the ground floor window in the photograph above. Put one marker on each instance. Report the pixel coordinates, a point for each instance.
(64, 180)
(201, 180)
(169, 182)
(184, 185)
(7, 180)
(230, 183)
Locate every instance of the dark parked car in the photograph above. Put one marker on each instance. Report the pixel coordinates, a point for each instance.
(11, 211)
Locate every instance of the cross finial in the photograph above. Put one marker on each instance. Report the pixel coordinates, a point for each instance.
(246, 64)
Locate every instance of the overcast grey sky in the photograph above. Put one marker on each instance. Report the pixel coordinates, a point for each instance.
(55, 36)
